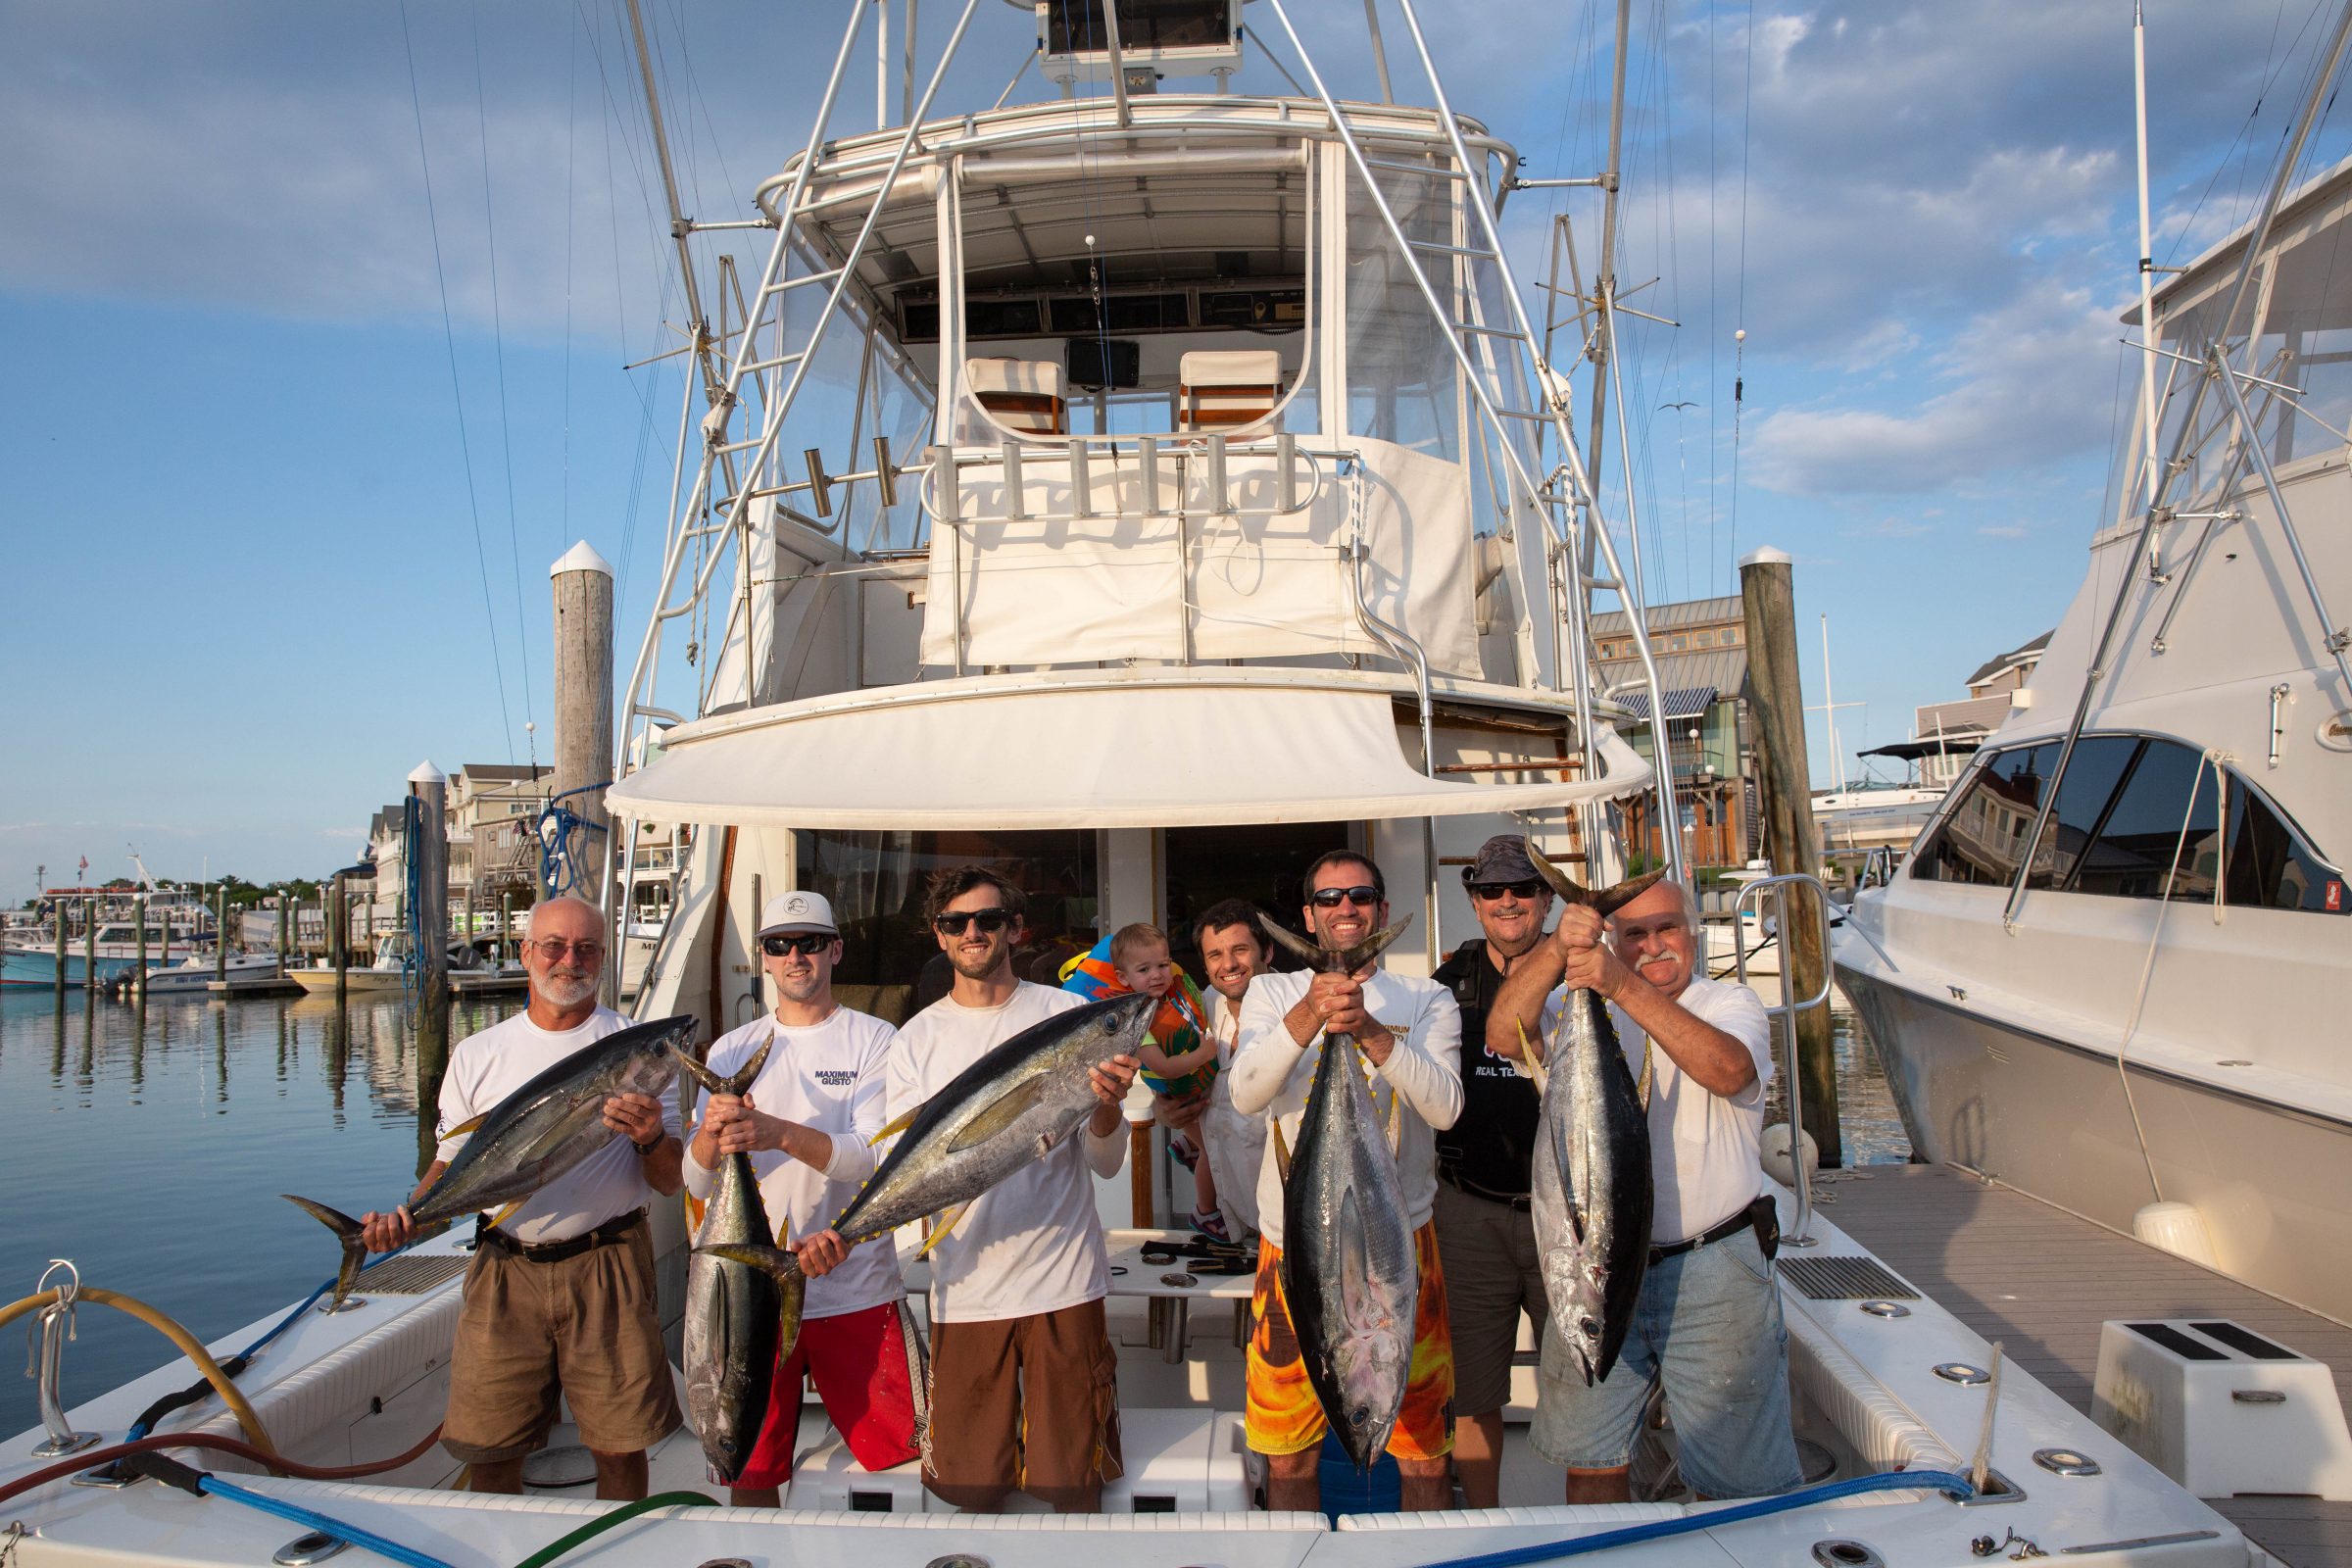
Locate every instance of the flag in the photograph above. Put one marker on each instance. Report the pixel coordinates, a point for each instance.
(83, 875)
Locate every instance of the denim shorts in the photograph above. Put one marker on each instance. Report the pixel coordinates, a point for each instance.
(1708, 1326)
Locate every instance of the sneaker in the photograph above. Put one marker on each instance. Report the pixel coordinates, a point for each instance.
(1210, 1225)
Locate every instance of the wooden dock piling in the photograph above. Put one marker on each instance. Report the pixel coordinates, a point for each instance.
(139, 975)
(90, 946)
(584, 594)
(220, 934)
(60, 949)
(430, 924)
(338, 936)
(1768, 597)
(285, 930)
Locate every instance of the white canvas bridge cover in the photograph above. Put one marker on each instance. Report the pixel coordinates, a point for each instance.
(1106, 752)
(1054, 588)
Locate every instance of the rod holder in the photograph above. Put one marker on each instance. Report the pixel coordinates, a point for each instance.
(1147, 453)
(1286, 477)
(47, 1345)
(886, 472)
(1219, 501)
(1082, 480)
(820, 488)
(1016, 502)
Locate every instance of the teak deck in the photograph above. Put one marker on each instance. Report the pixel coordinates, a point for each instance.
(2041, 1280)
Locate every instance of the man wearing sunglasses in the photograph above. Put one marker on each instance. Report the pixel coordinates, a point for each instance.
(560, 1300)
(1409, 1032)
(1024, 1389)
(807, 1121)
(1486, 1225)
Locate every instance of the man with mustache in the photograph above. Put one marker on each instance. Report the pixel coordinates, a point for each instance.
(1709, 1322)
(559, 1299)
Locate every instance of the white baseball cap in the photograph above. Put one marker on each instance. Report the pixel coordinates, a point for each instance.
(797, 911)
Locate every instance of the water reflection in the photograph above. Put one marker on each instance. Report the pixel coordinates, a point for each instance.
(1868, 1122)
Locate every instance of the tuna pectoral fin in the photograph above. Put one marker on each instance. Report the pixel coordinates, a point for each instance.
(999, 1113)
(469, 1124)
(940, 1223)
(347, 1232)
(781, 1261)
(895, 1126)
(1281, 1152)
(507, 1213)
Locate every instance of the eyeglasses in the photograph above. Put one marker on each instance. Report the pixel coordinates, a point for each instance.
(1527, 891)
(1329, 898)
(808, 944)
(990, 922)
(555, 948)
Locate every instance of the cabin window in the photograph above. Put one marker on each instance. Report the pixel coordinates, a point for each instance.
(876, 884)
(1403, 383)
(1981, 838)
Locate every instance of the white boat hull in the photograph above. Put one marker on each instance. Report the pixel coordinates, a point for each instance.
(2052, 1117)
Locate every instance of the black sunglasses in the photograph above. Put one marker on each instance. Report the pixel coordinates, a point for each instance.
(1530, 890)
(1329, 898)
(990, 922)
(807, 943)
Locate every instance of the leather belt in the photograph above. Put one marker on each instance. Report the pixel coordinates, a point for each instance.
(1741, 1219)
(605, 1235)
(1520, 1201)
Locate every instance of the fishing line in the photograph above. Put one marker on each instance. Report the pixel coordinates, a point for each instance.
(449, 338)
(506, 431)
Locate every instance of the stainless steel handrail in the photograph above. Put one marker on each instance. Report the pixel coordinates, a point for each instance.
(1786, 1010)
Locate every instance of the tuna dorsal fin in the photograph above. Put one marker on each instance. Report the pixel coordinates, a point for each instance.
(895, 1126)
(999, 1115)
(1318, 957)
(1607, 901)
(940, 1223)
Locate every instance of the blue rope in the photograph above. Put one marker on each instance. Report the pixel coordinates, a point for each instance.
(412, 961)
(311, 1519)
(1945, 1481)
(559, 872)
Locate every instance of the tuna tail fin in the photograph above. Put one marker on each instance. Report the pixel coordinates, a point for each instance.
(781, 1261)
(347, 1231)
(735, 1085)
(1354, 959)
(1607, 901)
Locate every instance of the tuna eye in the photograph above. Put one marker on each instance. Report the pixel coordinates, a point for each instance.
(1591, 1329)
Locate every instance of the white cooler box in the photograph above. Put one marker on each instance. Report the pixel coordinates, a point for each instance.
(2222, 1410)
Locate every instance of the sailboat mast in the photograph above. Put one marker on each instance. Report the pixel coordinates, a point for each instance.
(2147, 254)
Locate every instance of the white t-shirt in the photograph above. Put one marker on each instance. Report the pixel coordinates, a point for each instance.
(1703, 1148)
(1032, 1244)
(833, 1077)
(1236, 1143)
(486, 1067)
(1272, 1073)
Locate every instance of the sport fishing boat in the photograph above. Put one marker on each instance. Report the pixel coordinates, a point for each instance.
(29, 955)
(1139, 492)
(2138, 1018)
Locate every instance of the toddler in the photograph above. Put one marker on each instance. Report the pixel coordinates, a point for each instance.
(1179, 1057)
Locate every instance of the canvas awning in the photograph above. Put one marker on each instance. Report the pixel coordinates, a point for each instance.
(1104, 752)
(1686, 701)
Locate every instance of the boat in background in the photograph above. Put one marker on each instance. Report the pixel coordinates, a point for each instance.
(2114, 972)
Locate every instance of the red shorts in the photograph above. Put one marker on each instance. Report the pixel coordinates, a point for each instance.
(867, 1370)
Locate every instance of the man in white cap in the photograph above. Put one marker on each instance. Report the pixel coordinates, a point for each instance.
(807, 1121)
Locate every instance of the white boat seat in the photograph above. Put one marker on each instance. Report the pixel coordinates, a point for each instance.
(1024, 395)
(1221, 387)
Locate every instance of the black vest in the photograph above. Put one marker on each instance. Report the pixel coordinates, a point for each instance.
(1490, 1144)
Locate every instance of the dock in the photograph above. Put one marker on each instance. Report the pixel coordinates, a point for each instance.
(253, 985)
(2041, 1280)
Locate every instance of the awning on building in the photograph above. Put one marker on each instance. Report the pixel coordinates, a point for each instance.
(1687, 702)
(1112, 749)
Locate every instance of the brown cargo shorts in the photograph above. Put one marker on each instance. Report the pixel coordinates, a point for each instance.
(1024, 1404)
(582, 1327)
(1493, 1272)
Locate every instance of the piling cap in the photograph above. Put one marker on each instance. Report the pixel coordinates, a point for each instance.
(1765, 556)
(581, 557)
(427, 773)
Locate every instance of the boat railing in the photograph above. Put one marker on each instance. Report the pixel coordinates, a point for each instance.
(1786, 1012)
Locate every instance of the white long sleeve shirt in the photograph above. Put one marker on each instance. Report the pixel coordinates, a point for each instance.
(1272, 1073)
(832, 1077)
(1033, 1243)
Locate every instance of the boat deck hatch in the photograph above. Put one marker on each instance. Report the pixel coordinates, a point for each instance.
(2245, 1341)
(2179, 1344)
(414, 1276)
(1843, 1279)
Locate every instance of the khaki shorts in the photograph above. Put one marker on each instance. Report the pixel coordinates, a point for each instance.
(1492, 1273)
(584, 1327)
(1024, 1403)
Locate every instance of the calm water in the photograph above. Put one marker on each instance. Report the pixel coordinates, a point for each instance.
(153, 1154)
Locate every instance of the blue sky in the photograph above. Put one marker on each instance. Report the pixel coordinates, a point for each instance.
(255, 566)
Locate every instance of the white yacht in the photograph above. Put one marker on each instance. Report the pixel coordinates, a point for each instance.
(1139, 491)
(2142, 1018)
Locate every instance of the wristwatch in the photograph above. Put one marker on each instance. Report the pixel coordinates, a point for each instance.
(646, 1148)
